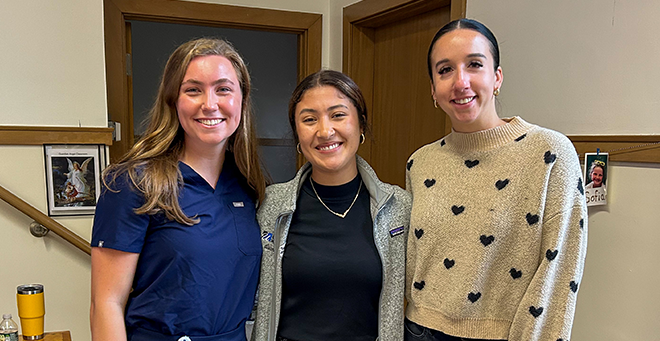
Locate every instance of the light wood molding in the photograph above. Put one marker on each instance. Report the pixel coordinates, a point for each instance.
(621, 148)
(17, 135)
(45, 220)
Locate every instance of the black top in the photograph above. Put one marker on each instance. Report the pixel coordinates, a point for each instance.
(331, 270)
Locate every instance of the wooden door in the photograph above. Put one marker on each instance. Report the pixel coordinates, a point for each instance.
(307, 26)
(385, 51)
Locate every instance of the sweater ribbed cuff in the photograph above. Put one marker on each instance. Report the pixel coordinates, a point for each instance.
(472, 328)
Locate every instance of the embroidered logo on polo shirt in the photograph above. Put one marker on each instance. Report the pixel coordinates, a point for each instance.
(238, 204)
(184, 338)
(267, 236)
(101, 243)
(397, 231)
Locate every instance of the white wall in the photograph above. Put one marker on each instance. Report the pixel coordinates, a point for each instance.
(336, 32)
(587, 67)
(52, 63)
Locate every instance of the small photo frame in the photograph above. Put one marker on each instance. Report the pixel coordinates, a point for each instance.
(595, 178)
(73, 178)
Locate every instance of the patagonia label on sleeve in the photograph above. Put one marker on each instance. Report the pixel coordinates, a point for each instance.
(396, 231)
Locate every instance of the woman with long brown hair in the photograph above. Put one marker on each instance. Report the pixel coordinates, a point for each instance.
(176, 246)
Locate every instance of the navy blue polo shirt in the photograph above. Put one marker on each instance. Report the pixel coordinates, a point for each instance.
(195, 280)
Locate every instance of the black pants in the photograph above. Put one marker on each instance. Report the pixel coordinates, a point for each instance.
(415, 332)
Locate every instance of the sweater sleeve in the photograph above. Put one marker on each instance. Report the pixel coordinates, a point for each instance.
(547, 308)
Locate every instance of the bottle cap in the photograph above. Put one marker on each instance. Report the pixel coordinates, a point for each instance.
(6, 316)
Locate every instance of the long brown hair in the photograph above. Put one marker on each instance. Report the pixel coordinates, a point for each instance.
(152, 163)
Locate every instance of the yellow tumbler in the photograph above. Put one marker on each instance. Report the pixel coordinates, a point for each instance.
(31, 310)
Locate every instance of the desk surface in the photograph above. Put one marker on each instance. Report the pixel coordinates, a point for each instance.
(53, 336)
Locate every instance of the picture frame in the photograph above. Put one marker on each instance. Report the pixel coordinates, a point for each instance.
(73, 178)
(595, 178)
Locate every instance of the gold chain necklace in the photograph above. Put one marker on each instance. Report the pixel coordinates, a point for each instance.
(340, 215)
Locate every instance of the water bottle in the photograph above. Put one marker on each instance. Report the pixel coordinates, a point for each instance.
(8, 329)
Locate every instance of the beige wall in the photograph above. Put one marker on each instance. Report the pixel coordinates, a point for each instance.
(52, 63)
(586, 67)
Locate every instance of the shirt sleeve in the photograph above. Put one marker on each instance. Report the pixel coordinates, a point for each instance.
(548, 306)
(116, 225)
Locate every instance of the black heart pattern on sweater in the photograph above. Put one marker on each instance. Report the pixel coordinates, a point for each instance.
(536, 312)
(549, 157)
(474, 297)
(574, 286)
(501, 184)
(520, 137)
(429, 182)
(449, 263)
(457, 209)
(442, 143)
(561, 340)
(419, 233)
(515, 274)
(486, 240)
(532, 218)
(551, 255)
(419, 285)
(581, 223)
(409, 164)
(580, 187)
(471, 163)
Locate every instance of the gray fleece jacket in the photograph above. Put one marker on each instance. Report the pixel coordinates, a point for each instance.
(390, 212)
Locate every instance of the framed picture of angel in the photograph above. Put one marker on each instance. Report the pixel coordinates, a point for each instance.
(73, 178)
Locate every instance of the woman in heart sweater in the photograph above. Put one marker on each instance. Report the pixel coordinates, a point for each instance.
(498, 230)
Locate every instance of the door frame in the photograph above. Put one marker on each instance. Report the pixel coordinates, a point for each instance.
(359, 26)
(308, 27)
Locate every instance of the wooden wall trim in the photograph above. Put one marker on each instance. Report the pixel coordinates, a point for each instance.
(458, 9)
(216, 14)
(376, 13)
(32, 136)
(45, 220)
(622, 148)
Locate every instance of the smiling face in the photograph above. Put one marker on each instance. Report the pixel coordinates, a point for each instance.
(209, 103)
(464, 79)
(329, 131)
(597, 176)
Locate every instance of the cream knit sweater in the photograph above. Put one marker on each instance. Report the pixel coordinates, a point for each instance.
(498, 234)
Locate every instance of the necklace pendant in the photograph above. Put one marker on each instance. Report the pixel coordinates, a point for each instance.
(340, 215)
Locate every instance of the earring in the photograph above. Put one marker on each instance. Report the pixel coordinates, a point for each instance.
(362, 138)
(435, 104)
(496, 92)
(298, 148)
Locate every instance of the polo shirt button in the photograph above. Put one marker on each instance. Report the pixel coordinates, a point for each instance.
(184, 338)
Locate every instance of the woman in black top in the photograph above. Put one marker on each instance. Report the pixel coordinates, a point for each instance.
(334, 236)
